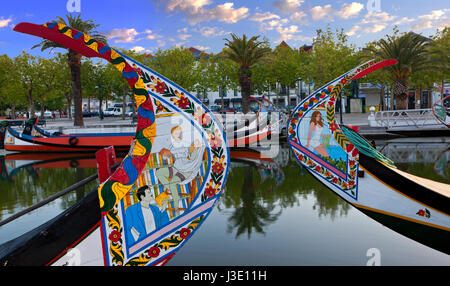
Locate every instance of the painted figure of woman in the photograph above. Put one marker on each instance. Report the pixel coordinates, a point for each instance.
(314, 140)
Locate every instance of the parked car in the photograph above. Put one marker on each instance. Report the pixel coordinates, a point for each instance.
(129, 113)
(47, 114)
(117, 111)
(214, 108)
(108, 111)
(229, 110)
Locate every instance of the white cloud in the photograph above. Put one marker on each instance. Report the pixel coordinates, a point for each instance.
(377, 17)
(272, 24)
(260, 17)
(320, 12)
(122, 35)
(375, 28)
(373, 22)
(150, 35)
(404, 20)
(130, 35)
(184, 37)
(291, 33)
(435, 19)
(349, 10)
(346, 11)
(442, 25)
(287, 6)
(5, 22)
(299, 17)
(196, 11)
(211, 31)
(202, 48)
(140, 49)
(353, 30)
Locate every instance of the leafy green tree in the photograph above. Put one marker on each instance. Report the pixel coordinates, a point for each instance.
(440, 56)
(223, 74)
(28, 68)
(12, 92)
(178, 64)
(246, 53)
(412, 53)
(74, 58)
(48, 77)
(286, 68)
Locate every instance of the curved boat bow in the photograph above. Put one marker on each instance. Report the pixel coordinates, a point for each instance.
(347, 164)
(162, 191)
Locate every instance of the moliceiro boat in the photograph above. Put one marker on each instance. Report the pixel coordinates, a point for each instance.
(159, 195)
(240, 129)
(441, 109)
(348, 165)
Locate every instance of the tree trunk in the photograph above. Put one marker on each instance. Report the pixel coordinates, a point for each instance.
(69, 105)
(381, 108)
(42, 109)
(133, 105)
(124, 101)
(245, 82)
(31, 103)
(400, 93)
(13, 110)
(75, 69)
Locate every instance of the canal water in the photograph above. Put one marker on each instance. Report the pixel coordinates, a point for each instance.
(269, 214)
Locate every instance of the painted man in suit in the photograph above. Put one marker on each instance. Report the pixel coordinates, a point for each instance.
(145, 216)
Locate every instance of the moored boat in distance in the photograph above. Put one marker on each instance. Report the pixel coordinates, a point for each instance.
(347, 164)
(159, 195)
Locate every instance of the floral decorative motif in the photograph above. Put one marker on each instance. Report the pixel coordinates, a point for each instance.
(218, 165)
(203, 118)
(425, 213)
(157, 85)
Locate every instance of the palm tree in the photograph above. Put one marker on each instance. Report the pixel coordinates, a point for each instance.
(74, 58)
(246, 53)
(412, 53)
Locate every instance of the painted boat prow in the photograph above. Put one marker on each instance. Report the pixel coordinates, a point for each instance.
(441, 111)
(178, 162)
(353, 169)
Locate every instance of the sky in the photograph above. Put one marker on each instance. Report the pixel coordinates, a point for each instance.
(147, 25)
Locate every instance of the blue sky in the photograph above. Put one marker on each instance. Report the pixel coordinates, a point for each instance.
(146, 25)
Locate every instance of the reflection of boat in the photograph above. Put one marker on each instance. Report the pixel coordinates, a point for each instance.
(358, 172)
(441, 109)
(160, 194)
(84, 140)
(3, 129)
(442, 164)
(13, 163)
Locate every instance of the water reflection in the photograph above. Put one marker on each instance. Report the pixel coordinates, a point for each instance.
(257, 200)
(424, 157)
(260, 193)
(27, 179)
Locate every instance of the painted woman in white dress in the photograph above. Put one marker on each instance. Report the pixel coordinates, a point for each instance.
(314, 140)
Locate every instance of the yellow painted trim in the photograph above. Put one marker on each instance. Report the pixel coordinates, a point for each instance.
(402, 217)
(167, 115)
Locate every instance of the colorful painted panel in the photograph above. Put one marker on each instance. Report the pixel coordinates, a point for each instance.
(181, 180)
(176, 167)
(316, 139)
